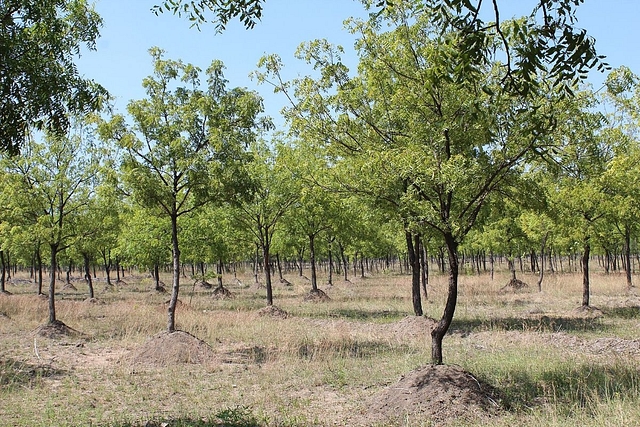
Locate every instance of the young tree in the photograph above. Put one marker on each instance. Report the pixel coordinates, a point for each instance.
(182, 151)
(51, 183)
(413, 116)
(271, 194)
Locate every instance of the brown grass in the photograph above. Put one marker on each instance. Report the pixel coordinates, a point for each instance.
(320, 364)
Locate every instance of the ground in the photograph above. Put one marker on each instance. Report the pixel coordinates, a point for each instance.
(359, 358)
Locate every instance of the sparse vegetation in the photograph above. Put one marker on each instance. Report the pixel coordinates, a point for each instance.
(325, 363)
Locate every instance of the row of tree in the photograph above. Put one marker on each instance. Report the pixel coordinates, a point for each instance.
(422, 146)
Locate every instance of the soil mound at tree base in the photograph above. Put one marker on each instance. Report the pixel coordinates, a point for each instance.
(435, 393)
(273, 311)
(56, 330)
(317, 295)
(220, 292)
(514, 285)
(588, 311)
(171, 348)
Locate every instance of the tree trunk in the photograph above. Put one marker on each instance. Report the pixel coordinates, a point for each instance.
(267, 267)
(541, 267)
(218, 272)
(413, 247)
(3, 276)
(442, 327)
(52, 283)
(39, 266)
(312, 259)
(627, 256)
(87, 274)
(585, 272)
(279, 268)
(171, 323)
(156, 276)
(345, 263)
(424, 268)
(330, 279)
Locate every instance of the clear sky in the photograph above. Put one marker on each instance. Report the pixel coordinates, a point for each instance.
(130, 29)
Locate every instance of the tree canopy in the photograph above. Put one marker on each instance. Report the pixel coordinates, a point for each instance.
(39, 82)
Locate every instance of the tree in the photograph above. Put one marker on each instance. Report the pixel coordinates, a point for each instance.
(39, 83)
(185, 142)
(577, 165)
(448, 138)
(550, 40)
(51, 184)
(271, 194)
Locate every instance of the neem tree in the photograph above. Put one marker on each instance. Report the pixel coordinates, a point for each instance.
(185, 145)
(415, 114)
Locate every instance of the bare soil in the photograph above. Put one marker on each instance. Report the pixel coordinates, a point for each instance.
(437, 393)
(317, 295)
(514, 285)
(273, 311)
(170, 348)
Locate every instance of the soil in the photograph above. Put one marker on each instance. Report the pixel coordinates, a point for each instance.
(514, 285)
(273, 311)
(203, 284)
(56, 330)
(171, 348)
(220, 292)
(317, 295)
(437, 393)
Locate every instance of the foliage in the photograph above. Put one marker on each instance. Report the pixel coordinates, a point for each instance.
(40, 86)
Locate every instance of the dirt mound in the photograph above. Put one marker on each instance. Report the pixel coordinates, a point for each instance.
(514, 285)
(317, 295)
(171, 348)
(273, 311)
(220, 292)
(435, 393)
(94, 301)
(588, 311)
(411, 327)
(203, 284)
(69, 287)
(285, 282)
(57, 329)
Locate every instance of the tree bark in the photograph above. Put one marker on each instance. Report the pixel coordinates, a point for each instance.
(87, 274)
(3, 275)
(52, 282)
(424, 268)
(541, 267)
(312, 259)
(627, 256)
(413, 247)
(585, 272)
(267, 267)
(171, 322)
(443, 325)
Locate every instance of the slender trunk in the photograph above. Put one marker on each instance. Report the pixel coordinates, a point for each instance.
(267, 267)
(255, 269)
(218, 272)
(442, 327)
(345, 263)
(491, 263)
(512, 268)
(541, 267)
(312, 259)
(279, 268)
(413, 246)
(424, 268)
(3, 276)
(330, 282)
(117, 270)
(171, 323)
(87, 274)
(585, 272)
(627, 256)
(39, 266)
(52, 283)
(156, 276)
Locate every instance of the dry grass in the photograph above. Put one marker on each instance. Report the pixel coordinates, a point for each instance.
(318, 366)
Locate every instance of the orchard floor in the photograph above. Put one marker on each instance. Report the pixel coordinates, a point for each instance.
(359, 358)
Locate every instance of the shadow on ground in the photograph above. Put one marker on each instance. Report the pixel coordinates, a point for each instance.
(541, 324)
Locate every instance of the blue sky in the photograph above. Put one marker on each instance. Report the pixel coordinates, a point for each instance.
(130, 29)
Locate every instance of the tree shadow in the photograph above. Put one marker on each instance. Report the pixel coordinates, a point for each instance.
(630, 312)
(542, 324)
(17, 374)
(365, 315)
(572, 386)
(230, 417)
